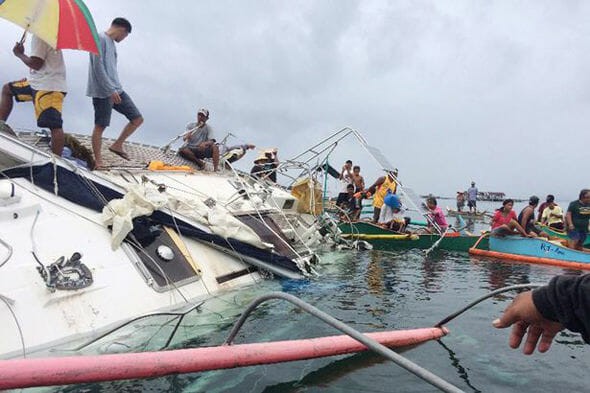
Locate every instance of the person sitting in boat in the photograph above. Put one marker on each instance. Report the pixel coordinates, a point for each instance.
(505, 222)
(379, 189)
(199, 142)
(543, 205)
(345, 178)
(526, 219)
(265, 165)
(542, 313)
(390, 214)
(576, 219)
(553, 215)
(350, 209)
(357, 179)
(472, 198)
(436, 216)
(460, 201)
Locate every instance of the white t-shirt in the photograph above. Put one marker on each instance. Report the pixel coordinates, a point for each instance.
(52, 76)
(386, 215)
(346, 180)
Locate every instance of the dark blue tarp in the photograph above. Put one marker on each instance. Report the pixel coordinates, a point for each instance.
(83, 191)
(71, 186)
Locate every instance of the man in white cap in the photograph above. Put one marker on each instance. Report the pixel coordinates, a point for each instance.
(265, 165)
(199, 142)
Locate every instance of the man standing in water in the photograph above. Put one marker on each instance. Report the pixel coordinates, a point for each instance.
(107, 93)
(472, 198)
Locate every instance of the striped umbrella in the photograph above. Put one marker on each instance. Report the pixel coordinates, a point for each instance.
(63, 24)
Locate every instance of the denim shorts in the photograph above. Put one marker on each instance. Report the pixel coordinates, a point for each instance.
(103, 108)
(577, 236)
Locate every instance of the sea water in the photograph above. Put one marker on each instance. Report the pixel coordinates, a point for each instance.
(377, 291)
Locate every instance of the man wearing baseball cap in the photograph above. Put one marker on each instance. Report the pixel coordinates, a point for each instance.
(199, 141)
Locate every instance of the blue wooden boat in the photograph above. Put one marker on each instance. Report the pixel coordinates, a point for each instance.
(534, 250)
(560, 234)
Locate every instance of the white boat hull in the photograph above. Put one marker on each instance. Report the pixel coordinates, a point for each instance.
(54, 228)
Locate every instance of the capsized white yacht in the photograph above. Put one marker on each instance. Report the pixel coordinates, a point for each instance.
(82, 251)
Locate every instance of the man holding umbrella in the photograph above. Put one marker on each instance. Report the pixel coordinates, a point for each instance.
(46, 87)
(56, 25)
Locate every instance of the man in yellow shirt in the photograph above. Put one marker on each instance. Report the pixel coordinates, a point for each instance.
(379, 190)
(553, 216)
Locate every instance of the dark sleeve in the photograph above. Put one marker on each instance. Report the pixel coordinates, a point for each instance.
(571, 207)
(566, 299)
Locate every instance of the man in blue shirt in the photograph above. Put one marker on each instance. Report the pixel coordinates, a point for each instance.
(107, 92)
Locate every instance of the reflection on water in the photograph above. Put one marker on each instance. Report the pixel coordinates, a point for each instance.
(461, 371)
(383, 291)
(328, 374)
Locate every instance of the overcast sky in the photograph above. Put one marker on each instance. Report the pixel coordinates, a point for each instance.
(452, 91)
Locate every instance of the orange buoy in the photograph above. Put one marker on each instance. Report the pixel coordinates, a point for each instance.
(24, 373)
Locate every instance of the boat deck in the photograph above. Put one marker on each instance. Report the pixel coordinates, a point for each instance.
(140, 154)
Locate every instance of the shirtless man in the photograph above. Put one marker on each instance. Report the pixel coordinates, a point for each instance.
(357, 179)
(526, 219)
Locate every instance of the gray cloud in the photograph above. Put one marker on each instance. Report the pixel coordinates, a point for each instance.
(451, 91)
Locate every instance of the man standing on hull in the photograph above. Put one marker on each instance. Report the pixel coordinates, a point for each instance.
(46, 87)
(107, 93)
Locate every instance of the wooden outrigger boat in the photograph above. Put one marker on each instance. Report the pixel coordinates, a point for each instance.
(533, 250)
(466, 214)
(383, 239)
(559, 234)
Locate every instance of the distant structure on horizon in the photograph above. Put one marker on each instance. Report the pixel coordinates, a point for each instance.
(491, 196)
(486, 196)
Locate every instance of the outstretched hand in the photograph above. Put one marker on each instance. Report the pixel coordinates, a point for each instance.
(526, 319)
(19, 49)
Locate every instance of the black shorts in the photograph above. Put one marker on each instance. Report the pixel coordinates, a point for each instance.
(533, 228)
(342, 198)
(202, 152)
(472, 203)
(557, 225)
(103, 109)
